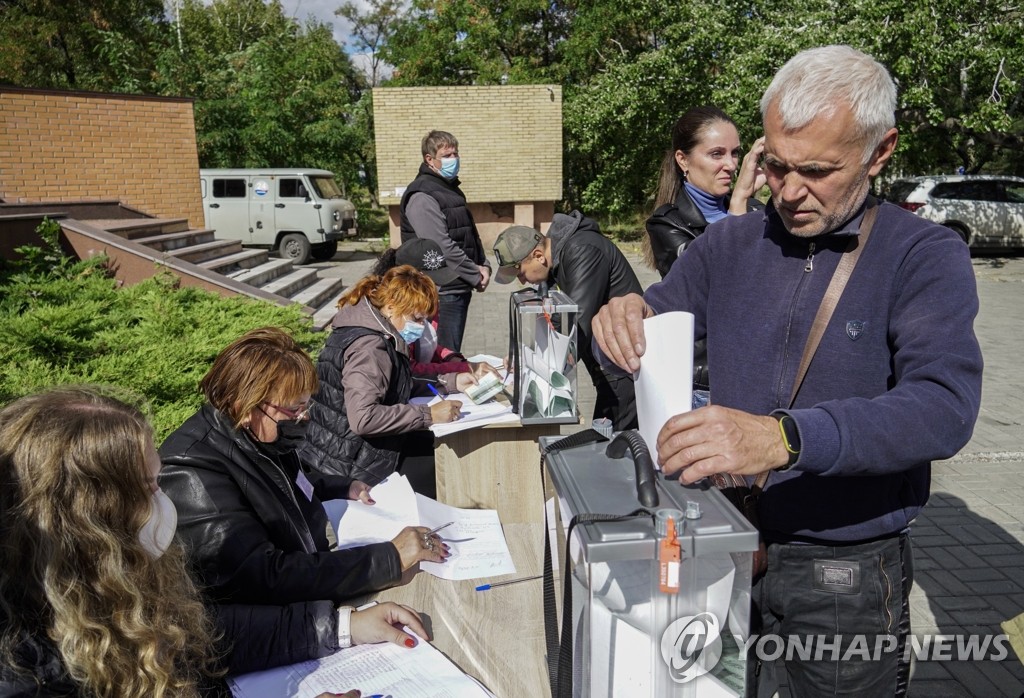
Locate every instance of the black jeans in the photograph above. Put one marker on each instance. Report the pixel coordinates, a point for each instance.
(616, 400)
(842, 615)
(451, 319)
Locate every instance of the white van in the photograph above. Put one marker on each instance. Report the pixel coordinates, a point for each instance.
(302, 213)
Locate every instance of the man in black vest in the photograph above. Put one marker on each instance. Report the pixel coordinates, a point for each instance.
(433, 207)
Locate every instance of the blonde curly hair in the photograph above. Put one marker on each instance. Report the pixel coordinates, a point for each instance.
(73, 495)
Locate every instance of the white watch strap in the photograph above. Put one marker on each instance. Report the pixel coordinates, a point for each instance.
(344, 626)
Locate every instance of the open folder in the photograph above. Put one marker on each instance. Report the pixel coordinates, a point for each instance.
(383, 669)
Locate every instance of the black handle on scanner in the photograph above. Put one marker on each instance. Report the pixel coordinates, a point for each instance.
(646, 492)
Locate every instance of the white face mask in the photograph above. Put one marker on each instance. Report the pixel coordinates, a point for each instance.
(158, 531)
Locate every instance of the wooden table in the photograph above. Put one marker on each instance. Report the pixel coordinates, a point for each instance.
(496, 636)
(494, 467)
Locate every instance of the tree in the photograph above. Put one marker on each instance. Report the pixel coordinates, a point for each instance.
(371, 30)
(78, 44)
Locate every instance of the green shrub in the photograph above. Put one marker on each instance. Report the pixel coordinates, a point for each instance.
(68, 321)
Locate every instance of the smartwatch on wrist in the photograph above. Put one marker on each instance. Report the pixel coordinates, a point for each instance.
(790, 439)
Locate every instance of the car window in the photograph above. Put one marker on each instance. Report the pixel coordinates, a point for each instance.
(899, 191)
(289, 187)
(229, 189)
(1015, 192)
(985, 190)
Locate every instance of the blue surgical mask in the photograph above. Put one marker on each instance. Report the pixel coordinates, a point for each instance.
(449, 167)
(412, 331)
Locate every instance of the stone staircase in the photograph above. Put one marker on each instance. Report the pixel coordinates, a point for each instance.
(174, 238)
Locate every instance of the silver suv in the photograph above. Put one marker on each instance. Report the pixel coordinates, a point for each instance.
(987, 211)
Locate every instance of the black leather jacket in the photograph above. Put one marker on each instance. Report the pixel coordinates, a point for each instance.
(591, 270)
(671, 228)
(674, 226)
(259, 546)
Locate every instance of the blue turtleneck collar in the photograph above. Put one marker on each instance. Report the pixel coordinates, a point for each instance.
(711, 207)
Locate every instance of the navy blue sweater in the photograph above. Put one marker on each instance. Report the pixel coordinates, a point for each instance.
(896, 380)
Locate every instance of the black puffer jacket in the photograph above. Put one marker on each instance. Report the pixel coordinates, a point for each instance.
(457, 216)
(331, 445)
(259, 546)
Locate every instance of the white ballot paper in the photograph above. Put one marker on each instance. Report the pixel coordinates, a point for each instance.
(384, 669)
(362, 524)
(475, 538)
(471, 415)
(664, 383)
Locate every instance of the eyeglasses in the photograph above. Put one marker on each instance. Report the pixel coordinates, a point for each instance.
(297, 414)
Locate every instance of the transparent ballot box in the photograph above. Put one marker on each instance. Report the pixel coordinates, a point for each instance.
(629, 636)
(543, 352)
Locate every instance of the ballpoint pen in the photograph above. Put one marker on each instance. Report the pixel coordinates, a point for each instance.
(485, 587)
(434, 391)
(439, 528)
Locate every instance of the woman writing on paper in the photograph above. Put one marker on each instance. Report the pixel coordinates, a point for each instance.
(252, 520)
(427, 357)
(361, 423)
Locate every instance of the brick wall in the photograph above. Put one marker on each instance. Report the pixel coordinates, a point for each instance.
(64, 146)
(510, 143)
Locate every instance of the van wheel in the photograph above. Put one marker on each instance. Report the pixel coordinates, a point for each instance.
(296, 247)
(325, 250)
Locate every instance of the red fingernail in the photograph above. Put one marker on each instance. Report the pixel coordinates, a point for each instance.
(409, 642)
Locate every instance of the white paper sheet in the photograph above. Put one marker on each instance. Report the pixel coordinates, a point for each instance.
(664, 383)
(470, 414)
(385, 669)
(362, 524)
(475, 538)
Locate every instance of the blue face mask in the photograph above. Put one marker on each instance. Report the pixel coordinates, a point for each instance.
(411, 332)
(449, 167)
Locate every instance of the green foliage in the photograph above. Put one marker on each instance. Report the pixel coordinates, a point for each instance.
(78, 44)
(66, 321)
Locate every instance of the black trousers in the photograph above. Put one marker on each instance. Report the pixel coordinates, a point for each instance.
(616, 400)
(417, 462)
(842, 618)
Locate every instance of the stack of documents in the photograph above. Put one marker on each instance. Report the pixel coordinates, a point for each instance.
(474, 536)
(384, 669)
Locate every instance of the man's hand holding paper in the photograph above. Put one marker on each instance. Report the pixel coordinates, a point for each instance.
(619, 330)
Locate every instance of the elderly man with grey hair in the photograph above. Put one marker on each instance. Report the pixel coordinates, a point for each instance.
(844, 453)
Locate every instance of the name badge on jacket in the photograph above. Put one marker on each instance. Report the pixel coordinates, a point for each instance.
(305, 485)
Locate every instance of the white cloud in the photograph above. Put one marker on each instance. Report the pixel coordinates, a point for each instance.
(323, 11)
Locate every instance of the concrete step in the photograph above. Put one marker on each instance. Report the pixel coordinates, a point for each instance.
(246, 259)
(132, 228)
(323, 315)
(319, 293)
(291, 283)
(207, 250)
(264, 272)
(172, 241)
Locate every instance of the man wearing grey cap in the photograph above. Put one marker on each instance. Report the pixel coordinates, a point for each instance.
(591, 270)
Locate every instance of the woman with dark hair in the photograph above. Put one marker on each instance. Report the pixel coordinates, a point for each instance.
(695, 184)
(95, 598)
(252, 520)
(695, 189)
